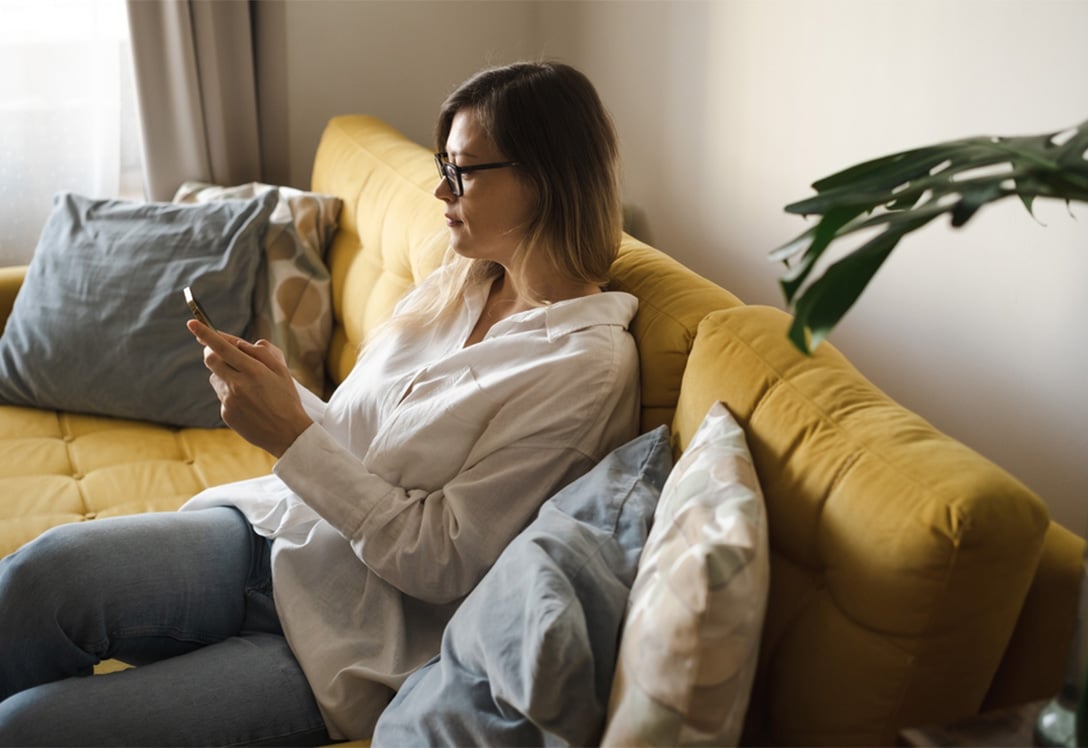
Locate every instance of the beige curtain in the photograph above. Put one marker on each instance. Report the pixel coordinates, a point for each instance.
(197, 92)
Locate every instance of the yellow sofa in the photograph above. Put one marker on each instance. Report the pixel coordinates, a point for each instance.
(912, 581)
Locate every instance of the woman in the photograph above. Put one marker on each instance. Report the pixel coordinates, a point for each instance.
(290, 607)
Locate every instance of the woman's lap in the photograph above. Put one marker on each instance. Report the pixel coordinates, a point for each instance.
(185, 596)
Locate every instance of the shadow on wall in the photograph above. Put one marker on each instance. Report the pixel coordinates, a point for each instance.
(636, 223)
(270, 46)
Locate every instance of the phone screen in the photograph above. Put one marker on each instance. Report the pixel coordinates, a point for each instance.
(196, 308)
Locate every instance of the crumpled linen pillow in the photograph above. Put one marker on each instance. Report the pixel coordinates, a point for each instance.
(98, 325)
(292, 301)
(691, 639)
(528, 657)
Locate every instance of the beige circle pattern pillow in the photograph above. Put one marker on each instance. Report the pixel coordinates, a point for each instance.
(690, 642)
(292, 301)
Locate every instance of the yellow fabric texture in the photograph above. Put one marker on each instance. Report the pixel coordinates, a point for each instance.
(64, 467)
(899, 558)
(912, 581)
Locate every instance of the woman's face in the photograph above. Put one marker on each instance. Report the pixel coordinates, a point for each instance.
(489, 220)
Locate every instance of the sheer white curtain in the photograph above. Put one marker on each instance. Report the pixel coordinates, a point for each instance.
(68, 118)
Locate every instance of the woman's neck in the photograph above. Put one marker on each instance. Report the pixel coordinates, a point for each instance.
(538, 288)
(504, 300)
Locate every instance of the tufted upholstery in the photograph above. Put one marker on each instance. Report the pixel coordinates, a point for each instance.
(391, 231)
(63, 467)
(912, 580)
(900, 558)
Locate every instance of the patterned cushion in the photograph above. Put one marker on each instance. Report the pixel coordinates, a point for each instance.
(691, 638)
(292, 303)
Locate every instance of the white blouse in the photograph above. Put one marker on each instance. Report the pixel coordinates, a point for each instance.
(424, 464)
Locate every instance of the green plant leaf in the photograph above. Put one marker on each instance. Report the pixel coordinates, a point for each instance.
(821, 236)
(829, 297)
(904, 191)
(973, 198)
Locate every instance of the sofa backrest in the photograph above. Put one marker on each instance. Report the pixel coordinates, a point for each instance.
(392, 234)
(391, 231)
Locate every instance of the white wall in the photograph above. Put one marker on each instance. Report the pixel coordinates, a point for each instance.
(394, 58)
(729, 109)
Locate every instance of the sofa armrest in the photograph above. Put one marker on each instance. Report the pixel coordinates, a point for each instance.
(11, 280)
(900, 559)
(1035, 660)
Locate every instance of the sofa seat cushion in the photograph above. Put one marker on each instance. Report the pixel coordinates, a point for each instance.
(61, 467)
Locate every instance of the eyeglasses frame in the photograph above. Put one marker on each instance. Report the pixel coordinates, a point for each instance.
(457, 187)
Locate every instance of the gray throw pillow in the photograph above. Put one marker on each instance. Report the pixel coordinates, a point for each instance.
(528, 658)
(98, 325)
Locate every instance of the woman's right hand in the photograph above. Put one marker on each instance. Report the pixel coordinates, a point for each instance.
(257, 394)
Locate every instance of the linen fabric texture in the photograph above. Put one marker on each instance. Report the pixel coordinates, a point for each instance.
(691, 639)
(99, 323)
(292, 299)
(528, 657)
(420, 469)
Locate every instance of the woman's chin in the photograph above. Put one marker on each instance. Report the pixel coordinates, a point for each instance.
(462, 247)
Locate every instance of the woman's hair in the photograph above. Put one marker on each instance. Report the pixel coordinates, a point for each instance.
(548, 118)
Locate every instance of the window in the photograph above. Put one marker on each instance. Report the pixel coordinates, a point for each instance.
(68, 115)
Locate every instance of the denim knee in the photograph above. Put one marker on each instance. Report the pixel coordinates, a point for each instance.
(242, 691)
(38, 584)
(19, 722)
(55, 571)
(138, 588)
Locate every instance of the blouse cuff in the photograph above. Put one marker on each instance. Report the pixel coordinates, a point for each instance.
(321, 472)
(311, 403)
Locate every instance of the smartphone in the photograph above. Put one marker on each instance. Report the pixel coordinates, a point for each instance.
(195, 308)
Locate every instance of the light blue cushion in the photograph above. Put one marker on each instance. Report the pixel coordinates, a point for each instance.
(528, 657)
(99, 323)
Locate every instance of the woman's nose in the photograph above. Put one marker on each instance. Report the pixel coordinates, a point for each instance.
(442, 190)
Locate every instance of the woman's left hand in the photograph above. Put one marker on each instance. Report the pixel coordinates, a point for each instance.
(256, 391)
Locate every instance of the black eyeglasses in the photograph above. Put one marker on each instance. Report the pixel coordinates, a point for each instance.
(452, 172)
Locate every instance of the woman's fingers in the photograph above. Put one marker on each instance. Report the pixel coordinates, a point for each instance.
(221, 347)
(247, 378)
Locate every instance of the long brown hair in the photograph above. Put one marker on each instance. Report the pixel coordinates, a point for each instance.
(548, 117)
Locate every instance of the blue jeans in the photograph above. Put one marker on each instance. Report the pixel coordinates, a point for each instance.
(187, 598)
